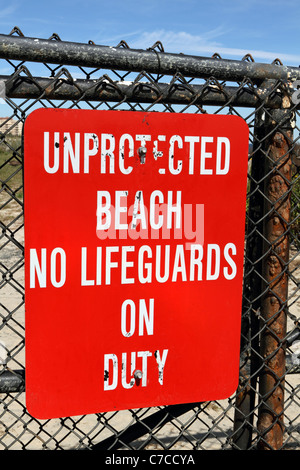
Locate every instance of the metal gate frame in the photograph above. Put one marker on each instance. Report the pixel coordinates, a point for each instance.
(136, 79)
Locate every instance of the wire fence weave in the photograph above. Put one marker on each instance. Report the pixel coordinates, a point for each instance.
(264, 413)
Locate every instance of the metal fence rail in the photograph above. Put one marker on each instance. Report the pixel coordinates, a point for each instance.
(265, 411)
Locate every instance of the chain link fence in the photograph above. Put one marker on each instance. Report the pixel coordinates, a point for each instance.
(264, 413)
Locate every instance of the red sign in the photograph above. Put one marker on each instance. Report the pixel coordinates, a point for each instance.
(134, 243)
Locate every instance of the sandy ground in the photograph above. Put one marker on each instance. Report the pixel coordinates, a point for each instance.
(17, 428)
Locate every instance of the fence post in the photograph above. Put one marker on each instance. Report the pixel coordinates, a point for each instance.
(252, 292)
(277, 164)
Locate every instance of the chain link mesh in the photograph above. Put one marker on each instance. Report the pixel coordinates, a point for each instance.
(272, 257)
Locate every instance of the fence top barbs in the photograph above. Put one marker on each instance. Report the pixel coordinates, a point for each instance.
(152, 61)
(260, 77)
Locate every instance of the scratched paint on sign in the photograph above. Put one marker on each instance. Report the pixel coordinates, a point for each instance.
(134, 241)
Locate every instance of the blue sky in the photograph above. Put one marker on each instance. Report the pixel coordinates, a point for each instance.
(265, 28)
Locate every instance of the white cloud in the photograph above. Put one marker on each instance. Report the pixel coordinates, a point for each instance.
(206, 45)
(9, 10)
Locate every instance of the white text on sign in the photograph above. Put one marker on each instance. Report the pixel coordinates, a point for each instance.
(72, 154)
